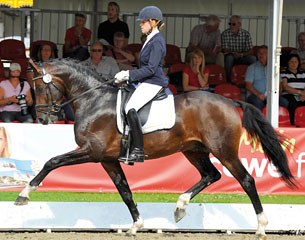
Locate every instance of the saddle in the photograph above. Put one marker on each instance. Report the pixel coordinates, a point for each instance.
(157, 114)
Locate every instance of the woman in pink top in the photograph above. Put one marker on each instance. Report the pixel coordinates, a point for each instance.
(196, 74)
(15, 97)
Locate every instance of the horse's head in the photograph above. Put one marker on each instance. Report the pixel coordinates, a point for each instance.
(49, 91)
(69, 79)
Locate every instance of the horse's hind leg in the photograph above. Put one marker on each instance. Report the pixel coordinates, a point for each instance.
(209, 174)
(117, 175)
(248, 184)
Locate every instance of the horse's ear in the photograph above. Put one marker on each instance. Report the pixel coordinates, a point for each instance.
(35, 66)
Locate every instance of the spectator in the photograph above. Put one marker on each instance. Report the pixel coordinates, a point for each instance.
(301, 50)
(104, 65)
(77, 39)
(207, 37)
(293, 83)
(45, 53)
(113, 24)
(123, 57)
(195, 75)
(236, 45)
(256, 81)
(15, 97)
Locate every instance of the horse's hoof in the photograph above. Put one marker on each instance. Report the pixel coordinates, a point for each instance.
(20, 201)
(179, 214)
(128, 234)
(131, 232)
(261, 237)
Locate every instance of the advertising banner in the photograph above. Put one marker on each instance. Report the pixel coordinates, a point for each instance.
(26, 147)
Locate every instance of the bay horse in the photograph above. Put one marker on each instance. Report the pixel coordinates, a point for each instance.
(205, 123)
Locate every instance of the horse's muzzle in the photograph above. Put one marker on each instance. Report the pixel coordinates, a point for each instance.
(44, 121)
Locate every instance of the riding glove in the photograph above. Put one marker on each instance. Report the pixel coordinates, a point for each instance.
(121, 76)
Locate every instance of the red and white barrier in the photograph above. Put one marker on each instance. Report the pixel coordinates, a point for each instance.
(38, 143)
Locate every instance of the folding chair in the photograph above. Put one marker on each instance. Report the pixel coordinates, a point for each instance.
(299, 117)
(284, 119)
(228, 90)
(239, 74)
(11, 49)
(173, 55)
(217, 74)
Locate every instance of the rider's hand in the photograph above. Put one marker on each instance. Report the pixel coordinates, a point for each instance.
(121, 76)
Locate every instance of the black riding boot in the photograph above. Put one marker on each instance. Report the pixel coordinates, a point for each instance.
(137, 153)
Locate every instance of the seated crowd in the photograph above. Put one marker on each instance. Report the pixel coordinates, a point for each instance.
(110, 54)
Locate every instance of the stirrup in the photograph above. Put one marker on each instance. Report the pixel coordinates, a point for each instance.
(125, 160)
(136, 155)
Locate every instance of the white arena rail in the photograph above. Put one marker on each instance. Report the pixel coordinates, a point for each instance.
(105, 216)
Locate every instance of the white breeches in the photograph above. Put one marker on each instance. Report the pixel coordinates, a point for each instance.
(142, 95)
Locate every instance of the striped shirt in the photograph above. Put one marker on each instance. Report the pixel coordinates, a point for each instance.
(240, 42)
(294, 80)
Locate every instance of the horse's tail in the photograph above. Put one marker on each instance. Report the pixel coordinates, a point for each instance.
(260, 129)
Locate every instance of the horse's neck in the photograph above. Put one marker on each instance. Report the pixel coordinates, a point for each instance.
(94, 93)
(78, 85)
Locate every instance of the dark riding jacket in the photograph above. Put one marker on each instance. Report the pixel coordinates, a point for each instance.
(151, 61)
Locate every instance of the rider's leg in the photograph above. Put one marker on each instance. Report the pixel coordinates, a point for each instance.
(137, 153)
(142, 95)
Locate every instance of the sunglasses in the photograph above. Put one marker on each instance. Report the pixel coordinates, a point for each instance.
(96, 50)
(232, 24)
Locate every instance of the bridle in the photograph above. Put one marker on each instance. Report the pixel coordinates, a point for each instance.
(52, 107)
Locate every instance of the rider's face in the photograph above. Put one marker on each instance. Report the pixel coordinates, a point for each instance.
(145, 26)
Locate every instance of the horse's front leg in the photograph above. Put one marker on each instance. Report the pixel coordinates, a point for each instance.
(118, 177)
(74, 157)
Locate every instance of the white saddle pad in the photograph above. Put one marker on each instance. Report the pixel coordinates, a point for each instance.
(161, 116)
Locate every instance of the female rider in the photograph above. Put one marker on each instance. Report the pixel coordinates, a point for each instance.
(148, 77)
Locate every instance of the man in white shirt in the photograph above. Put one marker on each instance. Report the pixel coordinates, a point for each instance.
(105, 66)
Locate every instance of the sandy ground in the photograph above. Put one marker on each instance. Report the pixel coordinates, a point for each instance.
(140, 236)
